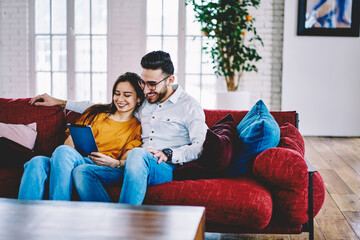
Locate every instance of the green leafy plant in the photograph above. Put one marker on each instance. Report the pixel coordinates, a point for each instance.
(230, 25)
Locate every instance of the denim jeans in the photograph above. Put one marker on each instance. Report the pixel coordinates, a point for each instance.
(141, 170)
(55, 170)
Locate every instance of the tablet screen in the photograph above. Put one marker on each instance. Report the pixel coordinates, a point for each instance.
(83, 139)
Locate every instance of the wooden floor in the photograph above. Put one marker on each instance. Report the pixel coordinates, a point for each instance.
(338, 161)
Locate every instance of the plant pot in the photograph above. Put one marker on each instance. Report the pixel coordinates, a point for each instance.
(237, 100)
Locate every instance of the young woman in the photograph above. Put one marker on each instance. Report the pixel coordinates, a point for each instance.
(116, 132)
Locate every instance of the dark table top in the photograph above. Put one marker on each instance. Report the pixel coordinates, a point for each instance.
(26, 219)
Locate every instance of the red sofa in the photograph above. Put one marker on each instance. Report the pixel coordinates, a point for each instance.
(281, 195)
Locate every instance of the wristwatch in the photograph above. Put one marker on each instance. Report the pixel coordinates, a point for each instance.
(168, 152)
(119, 164)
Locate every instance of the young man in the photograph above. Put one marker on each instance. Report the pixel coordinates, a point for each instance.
(173, 132)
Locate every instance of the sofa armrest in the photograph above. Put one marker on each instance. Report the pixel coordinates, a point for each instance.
(295, 184)
(282, 168)
(309, 225)
(286, 174)
(311, 168)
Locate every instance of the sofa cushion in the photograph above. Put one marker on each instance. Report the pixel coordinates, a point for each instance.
(217, 152)
(10, 182)
(24, 135)
(50, 122)
(282, 167)
(291, 138)
(218, 147)
(291, 205)
(285, 172)
(281, 117)
(240, 201)
(258, 131)
(13, 155)
(72, 117)
(192, 170)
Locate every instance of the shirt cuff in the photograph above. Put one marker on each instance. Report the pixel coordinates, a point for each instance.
(77, 106)
(177, 157)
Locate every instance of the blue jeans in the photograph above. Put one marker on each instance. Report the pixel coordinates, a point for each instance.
(55, 170)
(141, 170)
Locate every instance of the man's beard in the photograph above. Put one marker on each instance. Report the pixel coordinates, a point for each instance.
(160, 95)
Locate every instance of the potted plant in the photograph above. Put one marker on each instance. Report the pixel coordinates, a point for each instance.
(231, 27)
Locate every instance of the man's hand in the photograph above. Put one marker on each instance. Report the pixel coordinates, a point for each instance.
(103, 160)
(158, 154)
(47, 100)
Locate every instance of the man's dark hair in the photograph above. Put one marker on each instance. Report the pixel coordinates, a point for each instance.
(158, 59)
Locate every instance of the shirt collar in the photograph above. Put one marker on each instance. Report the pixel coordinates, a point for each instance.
(176, 95)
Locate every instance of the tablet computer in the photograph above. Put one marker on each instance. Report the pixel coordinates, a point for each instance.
(83, 138)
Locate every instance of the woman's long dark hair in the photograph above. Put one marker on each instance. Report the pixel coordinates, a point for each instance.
(110, 108)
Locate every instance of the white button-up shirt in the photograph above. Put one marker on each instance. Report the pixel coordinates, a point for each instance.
(177, 123)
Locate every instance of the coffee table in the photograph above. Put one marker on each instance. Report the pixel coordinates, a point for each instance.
(26, 219)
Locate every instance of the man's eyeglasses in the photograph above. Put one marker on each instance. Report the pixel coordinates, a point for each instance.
(150, 85)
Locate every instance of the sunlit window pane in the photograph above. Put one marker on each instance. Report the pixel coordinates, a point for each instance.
(43, 82)
(208, 90)
(171, 16)
(192, 86)
(59, 53)
(154, 17)
(171, 46)
(90, 52)
(58, 16)
(82, 86)
(82, 54)
(99, 54)
(207, 65)
(153, 44)
(192, 27)
(42, 53)
(99, 16)
(42, 16)
(82, 16)
(193, 55)
(209, 82)
(59, 88)
(199, 62)
(99, 86)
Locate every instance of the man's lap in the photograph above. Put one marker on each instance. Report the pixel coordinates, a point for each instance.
(113, 176)
(107, 175)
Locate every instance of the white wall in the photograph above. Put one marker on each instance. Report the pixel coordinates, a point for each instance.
(266, 84)
(14, 51)
(321, 80)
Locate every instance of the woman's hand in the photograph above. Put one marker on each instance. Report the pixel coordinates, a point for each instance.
(103, 160)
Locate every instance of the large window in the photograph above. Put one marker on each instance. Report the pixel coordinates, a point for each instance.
(70, 41)
(162, 27)
(171, 27)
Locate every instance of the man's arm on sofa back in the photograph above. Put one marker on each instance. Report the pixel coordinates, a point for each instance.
(46, 100)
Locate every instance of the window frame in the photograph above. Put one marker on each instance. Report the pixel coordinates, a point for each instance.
(70, 46)
(182, 37)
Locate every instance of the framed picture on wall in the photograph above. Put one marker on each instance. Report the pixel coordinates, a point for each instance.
(329, 18)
